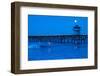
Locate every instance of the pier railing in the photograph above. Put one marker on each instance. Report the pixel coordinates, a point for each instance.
(60, 39)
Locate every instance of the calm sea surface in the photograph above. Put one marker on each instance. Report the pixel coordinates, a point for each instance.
(53, 51)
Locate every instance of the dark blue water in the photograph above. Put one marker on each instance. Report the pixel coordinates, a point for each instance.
(53, 51)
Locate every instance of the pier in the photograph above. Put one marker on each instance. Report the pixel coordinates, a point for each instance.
(75, 39)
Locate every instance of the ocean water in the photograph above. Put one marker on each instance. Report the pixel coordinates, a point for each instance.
(54, 51)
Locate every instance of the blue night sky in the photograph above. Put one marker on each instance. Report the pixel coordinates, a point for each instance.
(55, 25)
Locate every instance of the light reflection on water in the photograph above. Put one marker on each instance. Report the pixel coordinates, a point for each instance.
(52, 51)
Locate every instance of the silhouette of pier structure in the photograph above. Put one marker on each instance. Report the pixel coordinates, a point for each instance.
(75, 38)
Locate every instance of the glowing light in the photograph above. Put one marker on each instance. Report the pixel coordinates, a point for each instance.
(75, 21)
